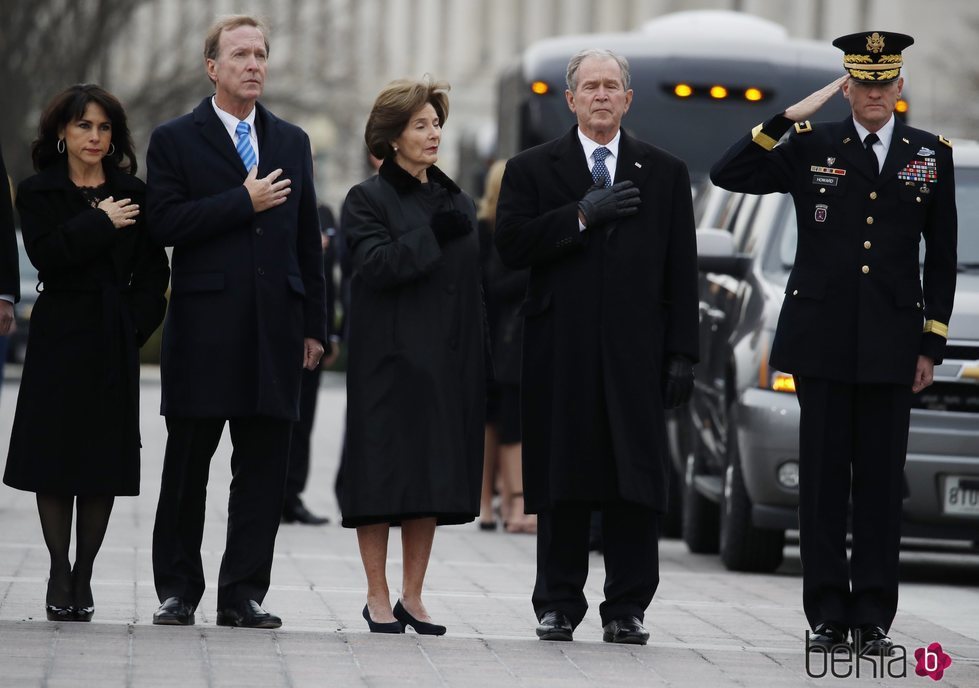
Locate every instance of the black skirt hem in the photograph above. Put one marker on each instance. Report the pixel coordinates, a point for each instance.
(442, 519)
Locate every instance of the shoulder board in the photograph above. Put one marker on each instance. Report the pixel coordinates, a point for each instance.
(945, 140)
(803, 127)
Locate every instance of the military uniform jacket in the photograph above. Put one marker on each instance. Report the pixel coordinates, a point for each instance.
(854, 308)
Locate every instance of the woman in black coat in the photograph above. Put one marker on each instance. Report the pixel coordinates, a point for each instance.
(416, 368)
(75, 438)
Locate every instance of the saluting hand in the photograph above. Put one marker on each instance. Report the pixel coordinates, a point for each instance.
(122, 213)
(266, 192)
(808, 106)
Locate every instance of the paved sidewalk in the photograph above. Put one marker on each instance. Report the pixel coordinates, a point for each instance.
(708, 627)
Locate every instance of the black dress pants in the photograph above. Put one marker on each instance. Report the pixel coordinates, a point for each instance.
(302, 431)
(853, 441)
(258, 470)
(630, 533)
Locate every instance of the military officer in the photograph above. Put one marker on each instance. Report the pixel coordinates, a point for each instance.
(856, 330)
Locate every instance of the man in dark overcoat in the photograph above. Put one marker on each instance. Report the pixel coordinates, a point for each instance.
(610, 335)
(856, 330)
(9, 265)
(231, 190)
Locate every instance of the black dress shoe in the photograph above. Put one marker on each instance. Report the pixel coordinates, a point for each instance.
(627, 630)
(56, 613)
(382, 627)
(83, 613)
(828, 636)
(421, 627)
(555, 626)
(872, 640)
(175, 611)
(298, 513)
(247, 614)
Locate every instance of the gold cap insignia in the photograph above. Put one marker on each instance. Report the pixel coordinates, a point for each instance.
(875, 42)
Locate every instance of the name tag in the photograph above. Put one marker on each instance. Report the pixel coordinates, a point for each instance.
(825, 181)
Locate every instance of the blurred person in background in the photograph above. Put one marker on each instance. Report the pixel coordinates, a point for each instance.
(103, 295)
(504, 289)
(9, 266)
(416, 352)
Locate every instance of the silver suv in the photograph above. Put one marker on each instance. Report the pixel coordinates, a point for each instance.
(736, 443)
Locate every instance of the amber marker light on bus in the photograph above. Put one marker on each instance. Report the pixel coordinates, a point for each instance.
(753, 94)
(901, 106)
(718, 92)
(783, 382)
(540, 87)
(683, 90)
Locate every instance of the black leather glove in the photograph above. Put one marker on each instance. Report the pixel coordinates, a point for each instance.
(450, 224)
(677, 381)
(601, 205)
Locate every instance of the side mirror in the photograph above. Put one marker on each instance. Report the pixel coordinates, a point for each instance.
(715, 253)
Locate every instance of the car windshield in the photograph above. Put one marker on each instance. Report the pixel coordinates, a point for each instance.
(782, 249)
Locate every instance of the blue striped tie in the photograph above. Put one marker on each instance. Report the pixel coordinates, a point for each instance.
(599, 172)
(245, 149)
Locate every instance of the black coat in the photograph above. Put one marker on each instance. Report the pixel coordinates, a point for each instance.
(76, 429)
(504, 290)
(416, 368)
(854, 308)
(246, 287)
(604, 308)
(9, 265)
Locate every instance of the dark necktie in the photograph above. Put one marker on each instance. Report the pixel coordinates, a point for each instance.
(868, 144)
(599, 172)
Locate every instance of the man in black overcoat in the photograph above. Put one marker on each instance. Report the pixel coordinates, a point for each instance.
(9, 264)
(605, 224)
(856, 330)
(230, 188)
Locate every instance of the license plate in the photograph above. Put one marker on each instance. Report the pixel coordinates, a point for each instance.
(962, 495)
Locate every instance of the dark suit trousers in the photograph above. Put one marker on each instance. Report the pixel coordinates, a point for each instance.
(853, 438)
(258, 469)
(630, 537)
(302, 431)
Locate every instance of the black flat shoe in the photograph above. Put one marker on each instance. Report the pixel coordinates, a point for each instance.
(487, 525)
(247, 614)
(872, 640)
(827, 636)
(627, 630)
(83, 613)
(555, 626)
(387, 627)
(421, 627)
(175, 611)
(56, 613)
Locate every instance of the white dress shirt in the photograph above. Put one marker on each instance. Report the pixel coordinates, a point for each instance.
(589, 147)
(885, 134)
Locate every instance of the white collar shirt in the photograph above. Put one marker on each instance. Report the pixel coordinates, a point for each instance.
(589, 147)
(885, 134)
(230, 123)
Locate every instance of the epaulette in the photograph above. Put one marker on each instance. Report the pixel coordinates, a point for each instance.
(803, 127)
(945, 140)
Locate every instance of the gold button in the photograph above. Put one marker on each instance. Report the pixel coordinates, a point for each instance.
(866, 269)
(870, 220)
(866, 244)
(873, 195)
(822, 189)
(918, 199)
(795, 292)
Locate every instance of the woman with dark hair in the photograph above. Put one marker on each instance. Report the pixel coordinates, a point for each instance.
(75, 438)
(417, 357)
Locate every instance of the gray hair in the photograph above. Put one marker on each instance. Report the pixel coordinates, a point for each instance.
(599, 53)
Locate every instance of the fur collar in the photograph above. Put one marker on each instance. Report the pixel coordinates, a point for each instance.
(395, 175)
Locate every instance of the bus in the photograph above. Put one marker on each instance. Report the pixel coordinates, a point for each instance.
(701, 79)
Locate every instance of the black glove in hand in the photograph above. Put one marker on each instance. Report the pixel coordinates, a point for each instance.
(601, 205)
(450, 224)
(677, 382)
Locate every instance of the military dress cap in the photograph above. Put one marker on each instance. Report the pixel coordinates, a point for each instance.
(873, 57)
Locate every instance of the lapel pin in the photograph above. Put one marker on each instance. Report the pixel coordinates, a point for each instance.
(830, 161)
(638, 165)
(905, 140)
(847, 140)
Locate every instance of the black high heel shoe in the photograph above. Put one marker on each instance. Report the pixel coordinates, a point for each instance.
(84, 613)
(388, 627)
(56, 613)
(84, 610)
(60, 584)
(421, 627)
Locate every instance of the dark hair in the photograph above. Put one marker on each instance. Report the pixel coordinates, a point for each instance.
(395, 105)
(68, 106)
